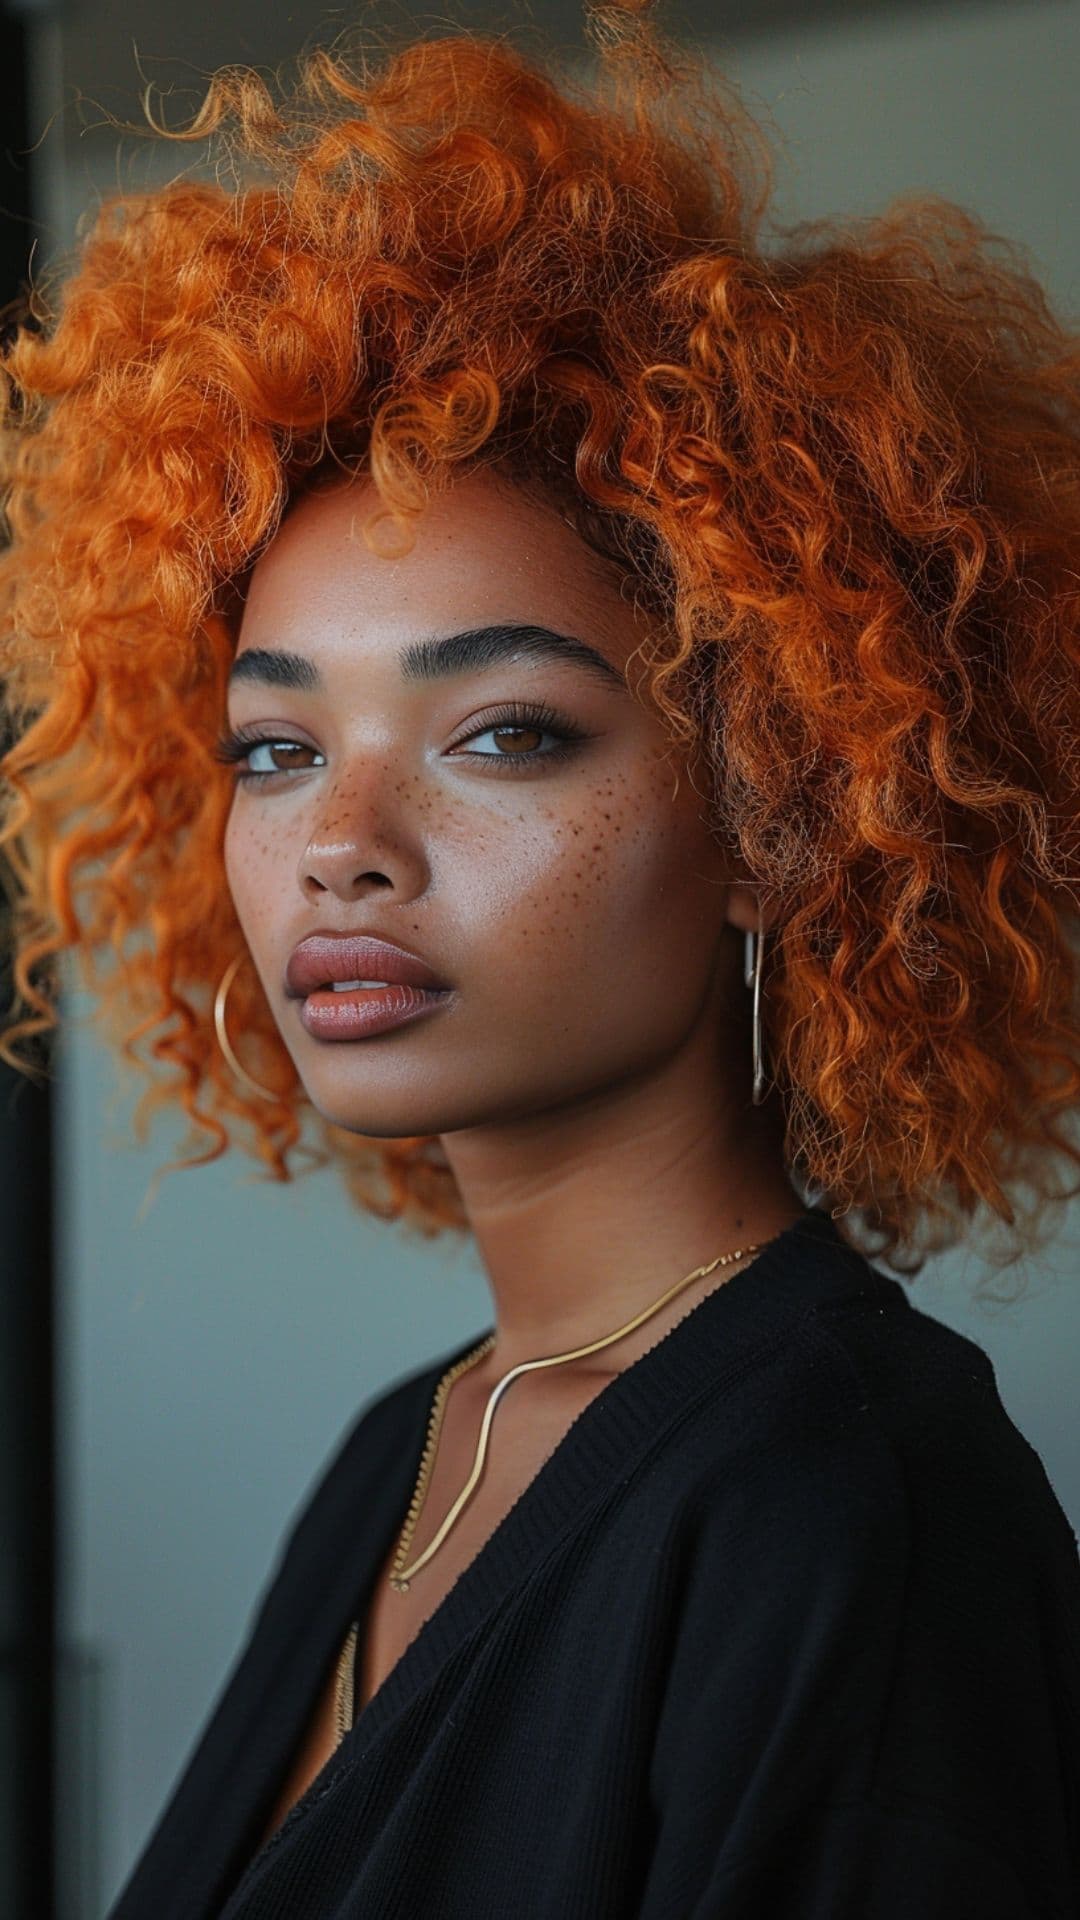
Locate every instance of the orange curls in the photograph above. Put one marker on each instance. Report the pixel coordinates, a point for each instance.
(844, 472)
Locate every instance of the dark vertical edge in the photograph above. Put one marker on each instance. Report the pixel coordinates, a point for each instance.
(28, 1505)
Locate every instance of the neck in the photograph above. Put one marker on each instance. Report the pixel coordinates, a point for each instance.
(583, 1218)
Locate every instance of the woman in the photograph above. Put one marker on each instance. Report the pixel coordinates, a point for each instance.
(467, 604)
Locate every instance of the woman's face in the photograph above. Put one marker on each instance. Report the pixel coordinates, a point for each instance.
(572, 901)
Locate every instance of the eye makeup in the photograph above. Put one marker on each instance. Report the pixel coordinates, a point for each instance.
(233, 747)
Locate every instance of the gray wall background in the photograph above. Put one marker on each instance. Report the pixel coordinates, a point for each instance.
(216, 1343)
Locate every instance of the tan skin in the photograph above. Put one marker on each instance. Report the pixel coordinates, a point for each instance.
(589, 1075)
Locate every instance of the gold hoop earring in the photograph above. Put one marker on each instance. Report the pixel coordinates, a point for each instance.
(220, 998)
(752, 975)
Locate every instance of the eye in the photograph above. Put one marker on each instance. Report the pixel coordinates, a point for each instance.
(236, 748)
(529, 721)
(233, 747)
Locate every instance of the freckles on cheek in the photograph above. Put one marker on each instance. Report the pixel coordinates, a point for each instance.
(631, 847)
(520, 884)
(249, 858)
(586, 875)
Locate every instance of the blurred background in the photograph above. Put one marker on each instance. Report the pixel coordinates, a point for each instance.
(177, 1368)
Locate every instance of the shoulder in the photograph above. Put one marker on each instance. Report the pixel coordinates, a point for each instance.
(873, 1590)
(872, 1436)
(931, 1395)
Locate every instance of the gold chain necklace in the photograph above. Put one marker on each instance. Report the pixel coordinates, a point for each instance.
(400, 1575)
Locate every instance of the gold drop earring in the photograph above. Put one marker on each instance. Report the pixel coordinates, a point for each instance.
(752, 975)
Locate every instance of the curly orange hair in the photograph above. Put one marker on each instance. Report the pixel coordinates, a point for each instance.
(844, 473)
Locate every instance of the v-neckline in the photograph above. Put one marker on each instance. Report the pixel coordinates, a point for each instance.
(629, 1415)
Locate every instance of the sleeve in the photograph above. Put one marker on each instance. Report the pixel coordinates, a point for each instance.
(814, 1758)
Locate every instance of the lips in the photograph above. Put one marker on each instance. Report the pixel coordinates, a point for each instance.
(325, 957)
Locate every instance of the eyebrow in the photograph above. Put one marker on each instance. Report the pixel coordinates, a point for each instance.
(441, 658)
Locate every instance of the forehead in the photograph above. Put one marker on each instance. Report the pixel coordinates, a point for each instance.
(483, 551)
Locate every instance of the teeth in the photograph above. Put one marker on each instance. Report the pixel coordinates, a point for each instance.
(346, 986)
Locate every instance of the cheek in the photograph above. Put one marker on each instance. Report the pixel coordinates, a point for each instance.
(250, 860)
(607, 894)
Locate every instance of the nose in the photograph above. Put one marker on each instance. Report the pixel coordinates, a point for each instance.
(368, 838)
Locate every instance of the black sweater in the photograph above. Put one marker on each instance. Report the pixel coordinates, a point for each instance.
(786, 1628)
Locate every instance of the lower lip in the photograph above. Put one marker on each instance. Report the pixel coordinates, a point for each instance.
(365, 1010)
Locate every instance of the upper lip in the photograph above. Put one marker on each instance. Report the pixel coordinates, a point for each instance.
(325, 956)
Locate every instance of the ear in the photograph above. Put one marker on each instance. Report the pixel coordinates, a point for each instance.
(744, 908)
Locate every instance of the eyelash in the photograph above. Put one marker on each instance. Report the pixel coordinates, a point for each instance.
(232, 747)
